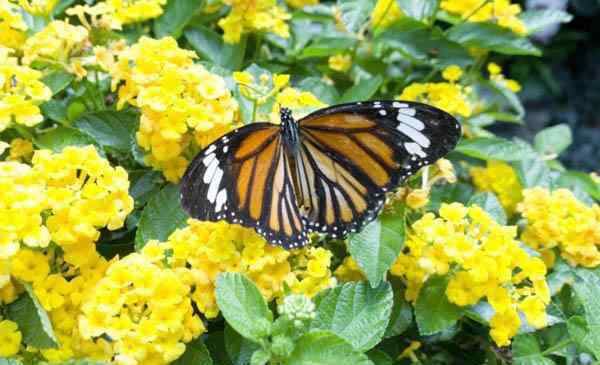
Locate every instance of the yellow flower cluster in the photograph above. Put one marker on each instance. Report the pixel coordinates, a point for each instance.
(559, 219)
(144, 308)
(202, 250)
(20, 150)
(133, 11)
(12, 26)
(501, 12)
(448, 96)
(254, 16)
(183, 105)
(497, 76)
(21, 91)
(500, 178)
(58, 44)
(340, 62)
(385, 13)
(349, 271)
(10, 338)
(38, 7)
(483, 260)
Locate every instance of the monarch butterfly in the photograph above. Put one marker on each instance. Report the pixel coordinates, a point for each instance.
(327, 172)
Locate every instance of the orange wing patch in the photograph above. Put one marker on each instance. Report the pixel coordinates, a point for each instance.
(243, 182)
(264, 163)
(377, 146)
(254, 142)
(339, 121)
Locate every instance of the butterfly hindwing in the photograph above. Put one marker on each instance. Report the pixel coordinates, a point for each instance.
(244, 177)
(352, 154)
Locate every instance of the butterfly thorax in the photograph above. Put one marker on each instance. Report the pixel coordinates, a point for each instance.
(289, 130)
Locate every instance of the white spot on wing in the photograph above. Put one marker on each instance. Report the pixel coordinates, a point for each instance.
(415, 149)
(382, 112)
(210, 171)
(208, 159)
(214, 185)
(210, 149)
(396, 104)
(221, 199)
(408, 111)
(414, 134)
(411, 121)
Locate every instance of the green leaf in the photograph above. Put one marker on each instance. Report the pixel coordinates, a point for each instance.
(401, 317)
(587, 289)
(57, 81)
(376, 246)
(578, 330)
(55, 110)
(355, 13)
(576, 179)
(210, 45)
(176, 15)
(32, 320)
(533, 172)
(448, 193)
(553, 140)
(325, 348)
(356, 312)
(433, 312)
(323, 91)
(379, 357)
(239, 350)
(112, 129)
(195, 353)
(328, 46)
(160, 217)
(492, 37)
(243, 306)
(58, 138)
(526, 351)
(364, 90)
(419, 9)
(7, 361)
(416, 41)
(512, 100)
(489, 202)
(538, 19)
(260, 357)
(215, 342)
(495, 148)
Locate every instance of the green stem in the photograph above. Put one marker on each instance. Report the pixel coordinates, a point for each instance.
(559, 346)
(24, 132)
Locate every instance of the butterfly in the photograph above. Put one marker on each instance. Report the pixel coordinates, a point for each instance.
(328, 172)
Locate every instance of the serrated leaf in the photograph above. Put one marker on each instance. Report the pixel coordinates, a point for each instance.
(587, 289)
(419, 9)
(328, 46)
(376, 246)
(32, 320)
(176, 15)
(60, 137)
(416, 41)
(355, 13)
(325, 348)
(493, 37)
(210, 45)
(238, 348)
(490, 203)
(161, 216)
(538, 19)
(495, 148)
(355, 312)
(433, 312)
(243, 306)
(195, 353)
(553, 140)
(112, 129)
(526, 351)
(364, 90)
(401, 317)
(58, 80)
(533, 172)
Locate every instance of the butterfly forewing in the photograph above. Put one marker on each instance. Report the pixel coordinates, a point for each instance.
(352, 154)
(244, 177)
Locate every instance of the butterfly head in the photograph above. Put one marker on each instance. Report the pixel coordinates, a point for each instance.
(289, 128)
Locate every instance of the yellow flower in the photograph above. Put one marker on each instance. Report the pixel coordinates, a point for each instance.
(385, 13)
(340, 62)
(21, 91)
(417, 198)
(30, 266)
(500, 178)
(452, 73)
(559, 219)
(487, 263)
(450, 97)
(10, 338)
(301, 3)
(409, 351)
(12, 26)
(133, 11)
(300, 102)
(497, 77)
(501, 12)
(38, 7)
(183, 105)
(255, 16)
(20, 149)
(349, 271)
